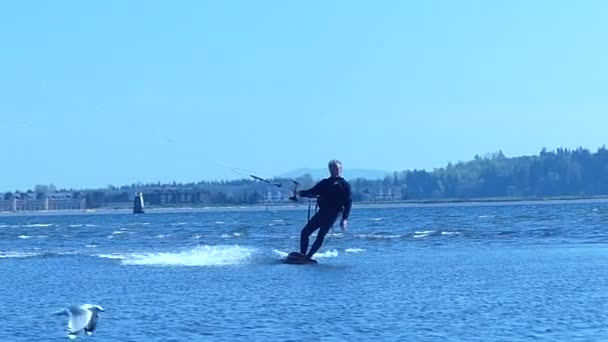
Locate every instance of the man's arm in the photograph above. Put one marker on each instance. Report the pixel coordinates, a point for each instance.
(312, 192)
(348, 201)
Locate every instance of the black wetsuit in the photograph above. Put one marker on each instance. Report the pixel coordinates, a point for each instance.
(334, 196)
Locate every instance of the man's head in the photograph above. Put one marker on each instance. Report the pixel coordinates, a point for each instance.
(335, 168)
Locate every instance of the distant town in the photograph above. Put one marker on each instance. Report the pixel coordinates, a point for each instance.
(238, 192)
(560, 173)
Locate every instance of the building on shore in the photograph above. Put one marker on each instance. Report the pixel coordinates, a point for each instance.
(30, 201)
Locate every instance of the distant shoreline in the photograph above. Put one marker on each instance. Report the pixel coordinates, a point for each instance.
(304, 206)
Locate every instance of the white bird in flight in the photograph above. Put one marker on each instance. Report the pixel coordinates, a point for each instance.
(81, 318)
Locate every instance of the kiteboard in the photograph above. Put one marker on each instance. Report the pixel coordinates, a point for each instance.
(298, 259)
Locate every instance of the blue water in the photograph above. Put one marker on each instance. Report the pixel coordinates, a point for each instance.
(430, 273)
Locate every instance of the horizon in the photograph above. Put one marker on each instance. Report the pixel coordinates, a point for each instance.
(172, 92)
(242, 174)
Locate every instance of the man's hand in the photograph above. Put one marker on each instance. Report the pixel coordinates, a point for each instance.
(343, 224)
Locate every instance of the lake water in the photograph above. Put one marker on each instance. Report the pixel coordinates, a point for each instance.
(520, 272)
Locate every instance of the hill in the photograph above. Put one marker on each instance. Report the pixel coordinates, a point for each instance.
(348, 173)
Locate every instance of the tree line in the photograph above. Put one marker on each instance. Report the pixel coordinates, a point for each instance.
(562, 172)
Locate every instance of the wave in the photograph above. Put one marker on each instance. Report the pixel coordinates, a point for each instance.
(419, 234)
(426, 233)
(38, 225)
(18, 254)
(378, 236)
(281, 254)
(278, 223)
(423, 233)
(231, 235)
(354, 250)
(329, 254)
(236, 233)
(111, 256)
(32, 236)
(13, 254)
(117, 233)
(221, 255)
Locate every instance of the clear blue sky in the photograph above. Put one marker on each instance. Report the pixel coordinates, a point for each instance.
(118, 92)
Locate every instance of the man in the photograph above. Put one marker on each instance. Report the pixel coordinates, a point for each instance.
(333, 197)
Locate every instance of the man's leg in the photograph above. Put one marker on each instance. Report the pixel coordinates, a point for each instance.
(325, 226)
(310, 227)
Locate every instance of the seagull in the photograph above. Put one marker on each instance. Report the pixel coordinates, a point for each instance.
(81, 318)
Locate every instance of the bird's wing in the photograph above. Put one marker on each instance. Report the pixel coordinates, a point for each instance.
(90, 327)
(79, 318)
